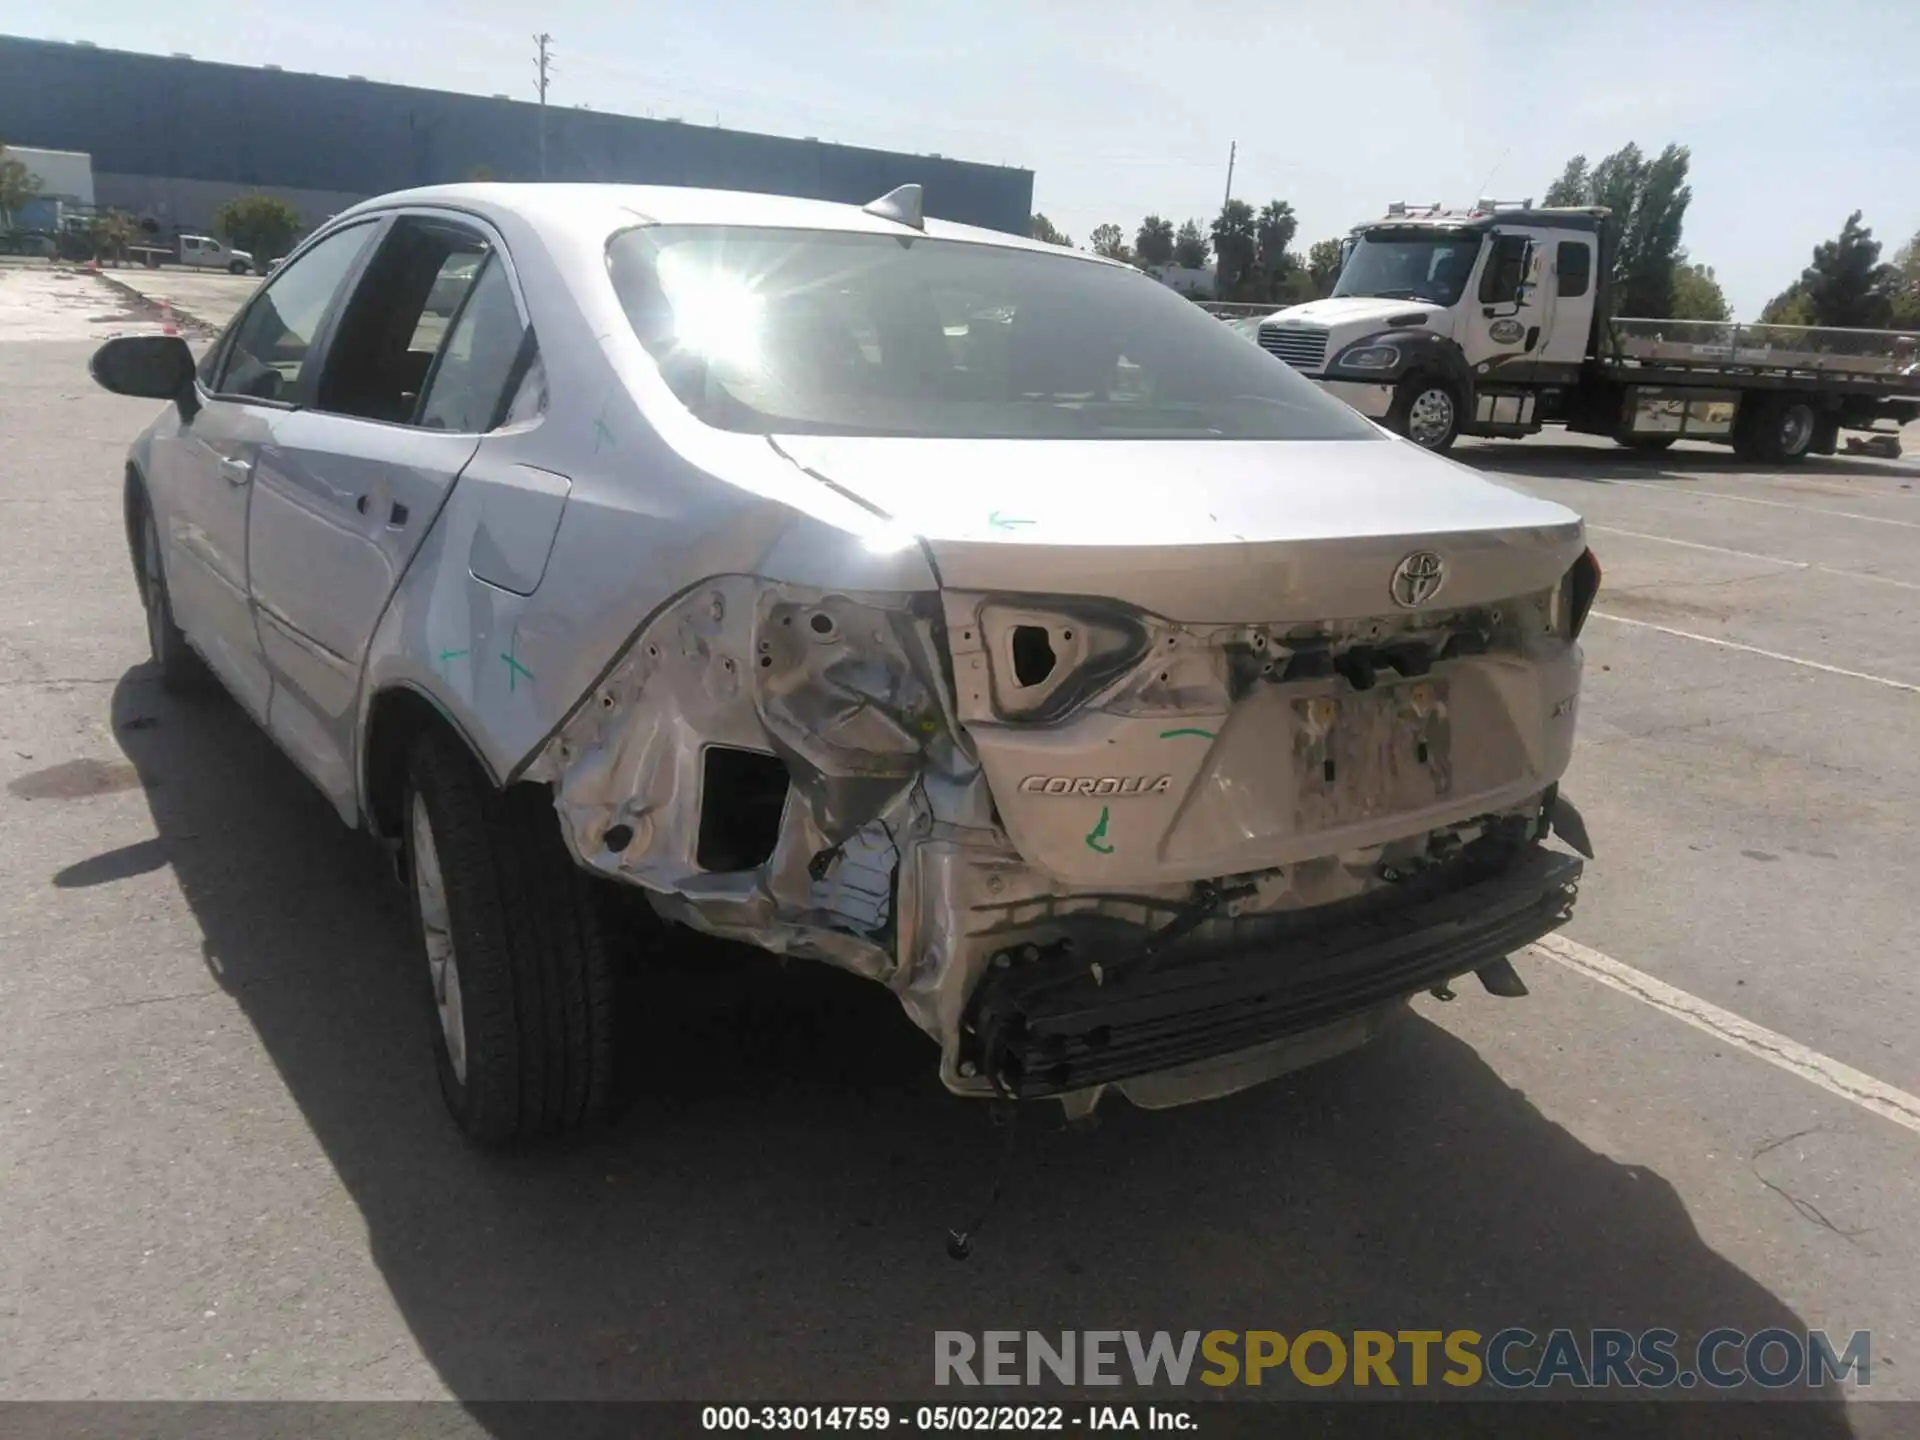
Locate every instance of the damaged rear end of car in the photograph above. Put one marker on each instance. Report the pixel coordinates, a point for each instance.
(1223, 725)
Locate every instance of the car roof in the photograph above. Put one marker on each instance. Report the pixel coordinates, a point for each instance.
(593, 212)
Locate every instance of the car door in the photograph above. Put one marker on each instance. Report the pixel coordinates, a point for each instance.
(1564, 301)
(201, 470)
(415, 371)
(1496, 324)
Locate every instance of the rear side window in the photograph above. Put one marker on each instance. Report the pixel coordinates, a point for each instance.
(269, 351)
(840, 333)
(1573, 263)
(404, 310)
(478, 358)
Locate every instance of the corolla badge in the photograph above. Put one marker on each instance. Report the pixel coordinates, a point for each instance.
(1417, 579)
(1504, 332)
(1096, 784)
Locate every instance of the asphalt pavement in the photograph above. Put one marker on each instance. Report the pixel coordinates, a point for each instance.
(226, 1172)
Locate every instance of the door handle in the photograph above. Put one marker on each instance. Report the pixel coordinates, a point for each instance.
(235, 472)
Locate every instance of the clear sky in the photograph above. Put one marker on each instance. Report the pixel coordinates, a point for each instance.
(1797, 111)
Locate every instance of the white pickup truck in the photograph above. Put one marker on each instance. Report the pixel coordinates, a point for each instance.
(202, 252)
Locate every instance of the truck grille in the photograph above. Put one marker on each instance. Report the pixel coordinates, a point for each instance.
(1300, 347)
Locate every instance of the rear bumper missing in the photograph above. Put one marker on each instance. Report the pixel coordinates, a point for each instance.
(1062, 1023)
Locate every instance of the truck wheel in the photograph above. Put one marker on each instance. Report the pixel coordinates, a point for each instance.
(237, 267)
(1647, 442)
(182, 671)
(1427, 412)
(1780, 430)
(516, 960)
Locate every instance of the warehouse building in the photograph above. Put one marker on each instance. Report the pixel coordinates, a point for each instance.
(172, 138)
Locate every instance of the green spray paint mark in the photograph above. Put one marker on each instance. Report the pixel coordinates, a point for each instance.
(446, 655)
(601, 435)
(1098, 834)
(1187, 730)
(1003, 522)
(514, 668)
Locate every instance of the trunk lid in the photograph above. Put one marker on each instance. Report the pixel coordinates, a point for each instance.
(1163, 771)
(1216, 530)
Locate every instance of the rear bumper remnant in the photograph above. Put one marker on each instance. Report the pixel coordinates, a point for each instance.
(1071, 1020)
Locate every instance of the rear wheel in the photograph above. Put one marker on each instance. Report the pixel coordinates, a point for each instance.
(516, 960)
(1427, 412)
(1776, 430)
(182, 671)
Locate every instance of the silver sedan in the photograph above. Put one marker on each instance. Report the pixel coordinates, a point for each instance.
(975, 615)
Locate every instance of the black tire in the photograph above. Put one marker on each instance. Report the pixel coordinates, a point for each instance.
(1647, 442)
(182, 671)
(1776, 430)
(1426, 410)
(237, 267)
(533, 988)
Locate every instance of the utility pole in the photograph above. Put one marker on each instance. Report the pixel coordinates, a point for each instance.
(1232, 151)
(543, 67)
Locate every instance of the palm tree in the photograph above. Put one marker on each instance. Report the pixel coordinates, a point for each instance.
(113, 232)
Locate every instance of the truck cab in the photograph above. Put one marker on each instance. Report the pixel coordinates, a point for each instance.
(208, 253)
(1446, 323)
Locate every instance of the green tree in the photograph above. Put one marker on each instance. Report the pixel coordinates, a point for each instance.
(111, 232)
(18, 185)
(1790, 307)
(1044, 229)
(1906, 286)
(1273, 232)
(1294, 284)
(1573, 186)
(1107, 240)
(1846, 284)
(1323, 267)
(1234, 248)
(1154, 241)
(1190, 246)
(1697, 295)
(262, 224)
(1648, 203)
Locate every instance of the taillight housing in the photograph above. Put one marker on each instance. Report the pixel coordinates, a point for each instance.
(1577, 592)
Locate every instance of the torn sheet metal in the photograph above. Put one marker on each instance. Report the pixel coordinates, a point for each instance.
(934, 820)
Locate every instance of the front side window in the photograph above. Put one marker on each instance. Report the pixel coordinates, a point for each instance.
(822, 332)
(1506, 268)
(268, 353)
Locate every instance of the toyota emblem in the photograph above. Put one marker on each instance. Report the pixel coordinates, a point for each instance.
(1417, 579)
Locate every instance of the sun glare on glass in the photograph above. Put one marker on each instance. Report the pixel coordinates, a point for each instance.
(716, 315)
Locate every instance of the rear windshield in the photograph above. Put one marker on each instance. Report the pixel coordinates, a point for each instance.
(821, 332)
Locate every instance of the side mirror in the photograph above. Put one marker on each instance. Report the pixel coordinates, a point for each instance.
(148, 367)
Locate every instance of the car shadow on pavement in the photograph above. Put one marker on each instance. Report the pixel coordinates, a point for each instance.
(1586, 462)
(767, 1221)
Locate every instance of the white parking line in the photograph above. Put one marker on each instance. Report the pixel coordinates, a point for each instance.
(1756, 650)
(1696, 545)
(1776, 1049)
(1750, 555)
(1774, 504)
